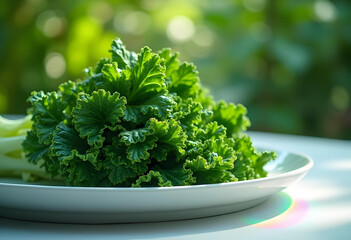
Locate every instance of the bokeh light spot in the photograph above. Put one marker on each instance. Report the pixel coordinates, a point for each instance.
(180, 29)
(50, 23)
(101, 11)
(204, 37)
(137, 22)
(53, 27)
(55, 65)
(132, 22)
(325, 10)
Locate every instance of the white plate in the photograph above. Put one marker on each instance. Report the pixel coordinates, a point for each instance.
(93, 205)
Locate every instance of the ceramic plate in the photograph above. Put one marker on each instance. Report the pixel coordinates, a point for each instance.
(94, 205)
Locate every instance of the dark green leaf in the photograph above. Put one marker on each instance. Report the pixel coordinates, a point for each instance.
(47, 114)
(34, 150)
(93, 114)
(67, 145)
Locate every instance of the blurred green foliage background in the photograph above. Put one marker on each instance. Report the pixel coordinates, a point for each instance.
(288, 62)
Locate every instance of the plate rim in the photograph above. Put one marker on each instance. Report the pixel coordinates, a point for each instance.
(303, 169)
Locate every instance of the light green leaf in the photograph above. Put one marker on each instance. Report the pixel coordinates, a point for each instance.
(121, 55)
(219, 154)
(211, 131)
(171, 61)
(147, 76)
(152, 179)
(170, 139)
(206, 173)
(214, 163)
(101, 63)
(185, 81)
(187, 112)
(231, 116)
(181, 79)
(110, 71)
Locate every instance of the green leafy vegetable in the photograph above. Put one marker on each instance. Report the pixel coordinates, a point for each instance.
(139, 120)
(96, 112)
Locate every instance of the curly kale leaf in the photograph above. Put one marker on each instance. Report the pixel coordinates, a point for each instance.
(93, 114)
(182, 78)
(121, 55)
(232, 117)
(250, 162)
(213, 162)
(140, 120)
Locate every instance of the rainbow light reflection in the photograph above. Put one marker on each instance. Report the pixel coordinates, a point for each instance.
(292, 212)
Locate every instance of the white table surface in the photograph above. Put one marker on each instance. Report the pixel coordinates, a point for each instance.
(318, 207)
